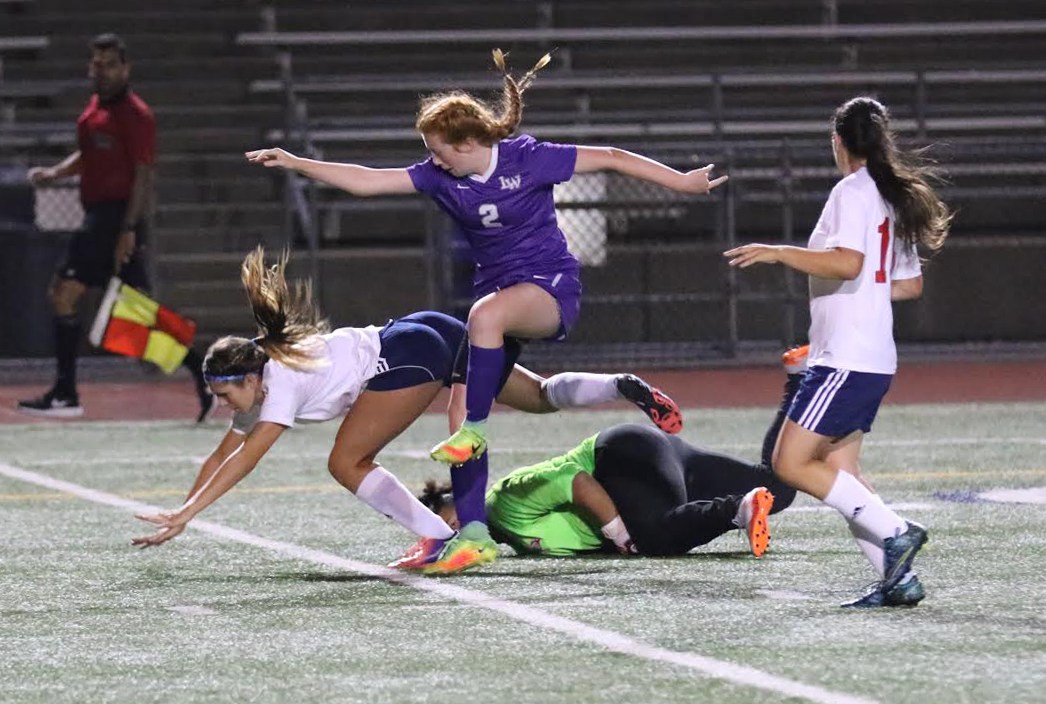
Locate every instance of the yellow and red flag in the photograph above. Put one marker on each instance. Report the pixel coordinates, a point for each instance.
(130, 323)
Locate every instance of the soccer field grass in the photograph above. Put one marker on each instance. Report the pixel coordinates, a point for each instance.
(279, 594)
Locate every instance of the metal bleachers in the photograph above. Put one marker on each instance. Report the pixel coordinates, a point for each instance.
(686, 81)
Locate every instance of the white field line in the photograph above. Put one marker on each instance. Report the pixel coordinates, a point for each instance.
(610, 640)
(419, 453)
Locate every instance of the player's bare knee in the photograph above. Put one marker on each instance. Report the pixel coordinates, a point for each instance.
(785, 467)
(484, 320)
(349, 471)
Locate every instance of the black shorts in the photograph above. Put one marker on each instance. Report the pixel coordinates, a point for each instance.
(89, 257)
(429, 346)
(416, 349)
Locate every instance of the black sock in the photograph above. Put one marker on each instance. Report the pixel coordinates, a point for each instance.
(66, 346)
(791, 387)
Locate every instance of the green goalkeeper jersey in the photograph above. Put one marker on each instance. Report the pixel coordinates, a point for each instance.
(532, 508)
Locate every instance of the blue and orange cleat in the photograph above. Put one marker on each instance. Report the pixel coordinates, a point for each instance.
(794, 360)
(469, 442)
(421, 554)
(753, 517)
(654, 402)
(471, 547)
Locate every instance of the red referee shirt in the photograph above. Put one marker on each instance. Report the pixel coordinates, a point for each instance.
(114, 137)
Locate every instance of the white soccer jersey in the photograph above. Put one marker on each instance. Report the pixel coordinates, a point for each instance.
(348, 359)
(851, 322)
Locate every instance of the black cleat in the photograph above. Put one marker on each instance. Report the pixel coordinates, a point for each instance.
(899, 552)
(53, 405)
(654, 402)
(908, 593)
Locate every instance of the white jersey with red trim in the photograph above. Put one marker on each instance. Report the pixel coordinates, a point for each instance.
(851, 322)
(345, 360)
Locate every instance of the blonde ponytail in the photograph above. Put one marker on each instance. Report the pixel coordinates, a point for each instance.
(288, 320)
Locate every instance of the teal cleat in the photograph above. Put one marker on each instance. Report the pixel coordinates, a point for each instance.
(899, 553)
(872, 599)
(908, 593)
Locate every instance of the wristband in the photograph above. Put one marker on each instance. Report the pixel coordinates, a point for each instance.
(616, 532)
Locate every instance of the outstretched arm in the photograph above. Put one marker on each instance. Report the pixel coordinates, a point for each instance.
(229, 444)
(630, 164)
(212, 484)
(353, 178)
(838, 263)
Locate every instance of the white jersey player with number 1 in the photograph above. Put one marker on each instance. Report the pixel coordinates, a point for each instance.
(851, 322)
(862, 256)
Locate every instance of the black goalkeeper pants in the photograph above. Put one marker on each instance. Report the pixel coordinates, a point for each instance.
(674, 496)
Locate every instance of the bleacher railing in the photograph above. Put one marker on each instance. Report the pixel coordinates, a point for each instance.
(617, 227)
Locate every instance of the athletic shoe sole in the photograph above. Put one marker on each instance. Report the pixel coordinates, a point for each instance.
(759, 524)
(73, 412)
(794, 360)
(658, 406)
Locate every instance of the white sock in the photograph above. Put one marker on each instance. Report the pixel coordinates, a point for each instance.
(870, 546)
(385, 494)
(863, 508)
(575, 389)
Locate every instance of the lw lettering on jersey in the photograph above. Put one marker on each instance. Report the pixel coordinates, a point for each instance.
(510, 183)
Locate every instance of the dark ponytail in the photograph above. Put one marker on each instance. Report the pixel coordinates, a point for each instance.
(436, 495)
(903, 178)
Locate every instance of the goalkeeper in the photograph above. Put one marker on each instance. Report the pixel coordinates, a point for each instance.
(633, 489)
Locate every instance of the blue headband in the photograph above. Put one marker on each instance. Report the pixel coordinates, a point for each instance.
(221, 378)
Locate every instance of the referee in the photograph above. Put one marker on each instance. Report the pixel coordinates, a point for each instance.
(116, 136)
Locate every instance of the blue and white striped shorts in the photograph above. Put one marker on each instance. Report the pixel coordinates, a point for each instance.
(836, 402)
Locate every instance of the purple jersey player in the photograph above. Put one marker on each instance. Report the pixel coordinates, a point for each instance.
(498, 188)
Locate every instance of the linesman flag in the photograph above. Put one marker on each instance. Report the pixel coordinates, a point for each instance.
(130, 323)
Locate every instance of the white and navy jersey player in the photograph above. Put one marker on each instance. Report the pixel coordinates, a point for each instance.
(851, 322)
(345, 359)
(507, 213)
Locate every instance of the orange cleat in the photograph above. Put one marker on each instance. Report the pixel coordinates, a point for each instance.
(753, 518)
(794, 360)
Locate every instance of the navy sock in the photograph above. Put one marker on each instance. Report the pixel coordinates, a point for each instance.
(470, 488)
(483, 376)
(66, 346)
